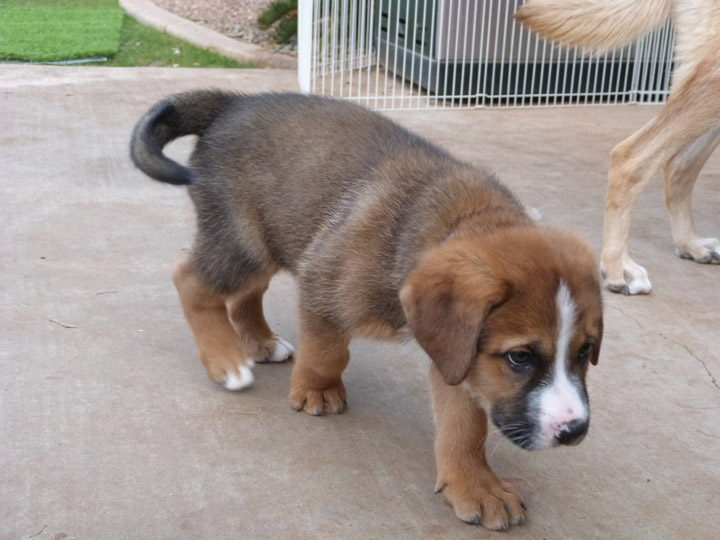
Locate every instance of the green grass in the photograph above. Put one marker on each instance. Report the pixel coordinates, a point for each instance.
(71, 3)
(50, 30)
(143, 46)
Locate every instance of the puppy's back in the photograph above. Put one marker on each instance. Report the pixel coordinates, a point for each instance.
(297, 162)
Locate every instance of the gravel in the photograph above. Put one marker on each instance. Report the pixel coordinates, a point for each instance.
(234, 18)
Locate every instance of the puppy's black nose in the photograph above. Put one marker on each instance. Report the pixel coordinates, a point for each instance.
(573, 433)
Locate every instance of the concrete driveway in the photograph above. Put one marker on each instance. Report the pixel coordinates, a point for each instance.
(109, 428)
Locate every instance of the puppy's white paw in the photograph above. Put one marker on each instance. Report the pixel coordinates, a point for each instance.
(283, 351)
(534, 213)
(242, 379)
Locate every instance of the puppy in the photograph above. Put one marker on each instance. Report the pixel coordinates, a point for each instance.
(388, 237)
(679, 140)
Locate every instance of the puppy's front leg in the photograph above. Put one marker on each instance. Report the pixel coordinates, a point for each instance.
(316, 386)
(463, 476)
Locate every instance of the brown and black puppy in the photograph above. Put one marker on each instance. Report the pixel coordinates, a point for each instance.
(388, 237)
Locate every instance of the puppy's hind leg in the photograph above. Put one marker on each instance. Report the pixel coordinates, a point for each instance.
(316, 385)
(680, 175)
(245, 311)
(222, 352)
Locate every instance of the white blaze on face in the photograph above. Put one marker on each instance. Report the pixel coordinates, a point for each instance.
(562, 401)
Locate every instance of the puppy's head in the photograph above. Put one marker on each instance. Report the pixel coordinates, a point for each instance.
(515, 317)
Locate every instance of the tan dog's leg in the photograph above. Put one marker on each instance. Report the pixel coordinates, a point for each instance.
(680, 175)
(692, 110)
(316, 386)
(464, 476)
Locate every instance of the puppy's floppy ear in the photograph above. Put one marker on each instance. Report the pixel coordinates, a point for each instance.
(446, 300)
(596, 350)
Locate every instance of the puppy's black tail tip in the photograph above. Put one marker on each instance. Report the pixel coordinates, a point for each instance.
(160, 125)
(165, 170)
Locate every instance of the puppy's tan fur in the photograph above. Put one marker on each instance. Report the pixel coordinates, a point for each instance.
(388, 237)
(679, 140)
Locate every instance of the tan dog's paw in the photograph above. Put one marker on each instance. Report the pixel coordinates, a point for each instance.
(331, 399)
(634, 278)
(478, 500)
(701, 250)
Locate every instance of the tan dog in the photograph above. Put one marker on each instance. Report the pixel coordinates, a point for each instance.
(388, 237)
(679, 140)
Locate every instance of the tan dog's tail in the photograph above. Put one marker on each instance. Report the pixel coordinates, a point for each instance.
(189, 113)
(596, 24)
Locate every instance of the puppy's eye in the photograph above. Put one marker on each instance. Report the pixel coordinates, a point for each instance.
(520, 360)
(584, 352)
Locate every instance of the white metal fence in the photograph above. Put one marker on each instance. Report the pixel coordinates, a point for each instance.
(397, 54)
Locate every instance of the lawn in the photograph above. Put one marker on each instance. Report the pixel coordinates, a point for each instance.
(143, 46)
(59, 30)
(48, 30)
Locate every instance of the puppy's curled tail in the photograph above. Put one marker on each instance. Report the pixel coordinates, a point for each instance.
(596, 24)
(189, 113)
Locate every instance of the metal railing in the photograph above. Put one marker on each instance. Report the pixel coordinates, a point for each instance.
(423, 54)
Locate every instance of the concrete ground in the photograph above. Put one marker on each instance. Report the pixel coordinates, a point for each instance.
(109, 428)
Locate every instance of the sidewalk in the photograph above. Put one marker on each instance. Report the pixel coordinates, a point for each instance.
(109, 428)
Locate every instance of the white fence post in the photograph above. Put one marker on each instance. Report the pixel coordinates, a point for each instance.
(305, 15)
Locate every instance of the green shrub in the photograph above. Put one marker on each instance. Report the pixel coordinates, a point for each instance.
(283, 14)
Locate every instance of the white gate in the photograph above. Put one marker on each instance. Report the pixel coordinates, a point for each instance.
(399, 54)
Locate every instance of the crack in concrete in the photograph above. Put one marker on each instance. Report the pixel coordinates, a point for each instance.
(712, 377)
(38, 533)
(629, 317)
(713, 380)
